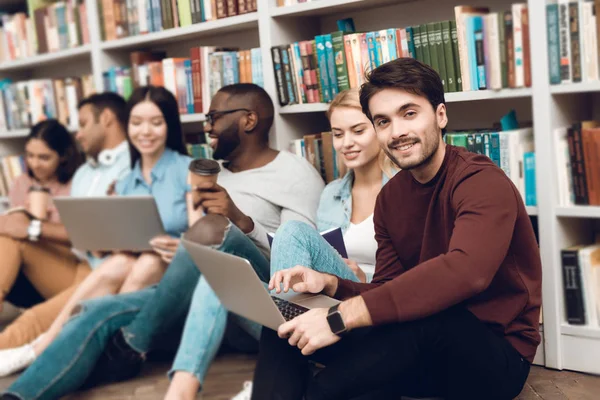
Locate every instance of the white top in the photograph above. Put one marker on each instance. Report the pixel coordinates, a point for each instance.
(288, 188)
(361, 245)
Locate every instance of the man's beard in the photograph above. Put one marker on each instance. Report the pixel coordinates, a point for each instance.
(227, 142)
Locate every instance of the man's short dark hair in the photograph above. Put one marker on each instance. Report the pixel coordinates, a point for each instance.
(405, 74)
(256, 99)
(107, 100)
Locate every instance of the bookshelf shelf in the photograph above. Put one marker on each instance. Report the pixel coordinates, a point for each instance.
(3, 200)
(326, 7)
(209, 28)
(46, 59)
(581, 87)
(581, 331)
(191, 118)
(455, 97)
(532, 210)
(16, 133)
(578, 212)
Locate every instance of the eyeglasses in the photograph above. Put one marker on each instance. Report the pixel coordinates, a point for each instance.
(212, 116)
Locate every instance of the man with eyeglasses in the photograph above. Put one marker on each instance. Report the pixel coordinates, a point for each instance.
(258, 188)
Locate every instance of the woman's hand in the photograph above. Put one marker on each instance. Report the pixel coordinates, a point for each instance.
(360, 274)
(165, 246)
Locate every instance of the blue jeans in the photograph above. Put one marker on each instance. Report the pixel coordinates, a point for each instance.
(70, 359)
(207, 319)
(297, 243)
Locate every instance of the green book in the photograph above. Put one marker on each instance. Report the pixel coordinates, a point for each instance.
(439, 48)
(456, 56)
(425, 45)
(448, 56)
(417, 42)
(433, 54)
(337, 39)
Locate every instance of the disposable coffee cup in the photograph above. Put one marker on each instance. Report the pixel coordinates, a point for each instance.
(203, 170)
(39, 198)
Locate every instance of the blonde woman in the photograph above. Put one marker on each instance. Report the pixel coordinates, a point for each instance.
(347, 203)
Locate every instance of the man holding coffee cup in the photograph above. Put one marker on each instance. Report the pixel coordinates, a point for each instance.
(102, 121)
(257, 188)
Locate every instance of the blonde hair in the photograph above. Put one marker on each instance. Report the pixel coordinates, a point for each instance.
(350, 99)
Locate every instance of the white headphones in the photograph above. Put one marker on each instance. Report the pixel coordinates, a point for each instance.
(108, 157)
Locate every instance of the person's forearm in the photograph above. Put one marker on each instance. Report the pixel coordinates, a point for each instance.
(355, 313)
(55, 232)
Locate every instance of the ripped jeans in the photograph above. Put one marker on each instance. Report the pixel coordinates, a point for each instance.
(70, 359)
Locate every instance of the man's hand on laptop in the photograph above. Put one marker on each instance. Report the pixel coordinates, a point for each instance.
(303, 280)
(214, 199)
(309, 331)
(165, 246)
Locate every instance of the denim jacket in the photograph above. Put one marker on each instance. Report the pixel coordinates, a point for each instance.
(335, 206)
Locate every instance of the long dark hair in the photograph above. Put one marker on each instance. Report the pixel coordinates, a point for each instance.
(167, 104)
(58, 138)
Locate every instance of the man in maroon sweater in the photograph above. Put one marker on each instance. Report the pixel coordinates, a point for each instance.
(453, 308)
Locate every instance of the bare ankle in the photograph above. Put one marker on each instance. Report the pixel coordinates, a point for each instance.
(184, 386)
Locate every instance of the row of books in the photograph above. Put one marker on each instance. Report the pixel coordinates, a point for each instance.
(318, 150)
(122, 18)
(572, 41)
(58, 26)
(10, 168)
(511, 150)
(578, 163)
(193, 80)
(480, 50)
(581, 284)
(25, 103)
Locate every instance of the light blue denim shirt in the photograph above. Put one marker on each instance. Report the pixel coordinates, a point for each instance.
(169, 187)
(335, 206)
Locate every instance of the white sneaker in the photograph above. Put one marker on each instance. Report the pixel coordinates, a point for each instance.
(15, 360)
(246, 393)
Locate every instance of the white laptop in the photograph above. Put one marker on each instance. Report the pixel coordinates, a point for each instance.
(241, 291)
(110, 222)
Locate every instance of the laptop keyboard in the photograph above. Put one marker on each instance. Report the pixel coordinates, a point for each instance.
(287, 309)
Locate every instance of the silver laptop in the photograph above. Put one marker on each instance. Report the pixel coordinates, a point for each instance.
(110, 222)
(241, 291)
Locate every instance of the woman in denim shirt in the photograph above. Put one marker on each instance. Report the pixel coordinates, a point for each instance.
(159, 164)
(347, 203)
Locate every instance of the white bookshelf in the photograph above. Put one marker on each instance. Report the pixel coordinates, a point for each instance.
(14, 133)
(47, 59)
(545, 105)
(195, 31)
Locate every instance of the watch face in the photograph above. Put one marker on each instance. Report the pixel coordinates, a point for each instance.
(336, 323)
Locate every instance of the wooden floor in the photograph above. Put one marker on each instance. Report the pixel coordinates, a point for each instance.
(228, 373)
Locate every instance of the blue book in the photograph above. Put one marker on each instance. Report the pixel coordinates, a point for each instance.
(189, 91)
(479, 52)
(472, 52)
(331, 68)
(322, 65)
(553, 43)
(495, 148)
(372, 50)
(333, 236)
(391, 41)
(529, 168)
(378, 53)
(346, 25)
(411, 42)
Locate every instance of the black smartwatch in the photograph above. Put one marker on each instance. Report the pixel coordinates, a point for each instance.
(336, 322)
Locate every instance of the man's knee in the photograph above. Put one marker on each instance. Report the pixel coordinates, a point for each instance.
(209, 230)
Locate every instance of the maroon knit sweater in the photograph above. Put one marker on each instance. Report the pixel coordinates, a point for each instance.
(464, 237)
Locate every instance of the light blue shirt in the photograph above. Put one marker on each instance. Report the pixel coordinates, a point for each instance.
(335, 206)
(94, 178)
(169, 188)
